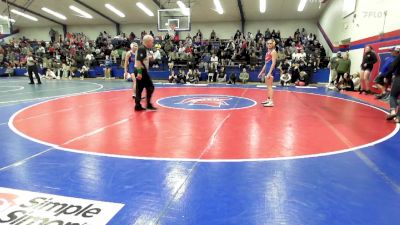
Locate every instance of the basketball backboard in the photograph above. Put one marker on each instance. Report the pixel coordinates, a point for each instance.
(173, 19)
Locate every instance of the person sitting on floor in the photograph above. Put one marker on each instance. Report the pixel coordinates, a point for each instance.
(232, 79)
(197, 74)
(181, 78)
(190, 76)
(84, 72)
(211, 73)
(303, 79)
(285, 79)
(346, 83)
(172, 77)
(222, 75)
(356, 81)
(244, 76)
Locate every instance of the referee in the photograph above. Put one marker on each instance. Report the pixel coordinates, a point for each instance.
(143, 79)
(32, 68)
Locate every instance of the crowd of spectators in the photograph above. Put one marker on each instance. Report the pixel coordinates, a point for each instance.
(298, 55)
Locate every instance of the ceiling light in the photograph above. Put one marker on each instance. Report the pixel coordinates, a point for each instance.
(114, 10)
(184, 9)
(145, 9)
(24, 15)
(263, 6)
(81, 12)
(56, 14)
(7, 19)
(218, 6)
(301, 5)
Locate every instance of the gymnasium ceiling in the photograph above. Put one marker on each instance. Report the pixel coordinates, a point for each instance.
(202, 11)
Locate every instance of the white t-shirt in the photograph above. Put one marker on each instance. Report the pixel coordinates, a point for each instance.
(89, 57)
(157, 55)
(214, 59)
(181, 49)
(30, 61)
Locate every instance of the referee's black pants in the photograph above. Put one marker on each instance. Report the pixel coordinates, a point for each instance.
(33, 69)
(147, 83)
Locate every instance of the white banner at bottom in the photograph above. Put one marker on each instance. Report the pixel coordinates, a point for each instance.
(33, 208)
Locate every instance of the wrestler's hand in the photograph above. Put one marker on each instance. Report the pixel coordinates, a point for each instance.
(139, 77)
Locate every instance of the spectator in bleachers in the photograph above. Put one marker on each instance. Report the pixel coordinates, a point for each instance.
(284, 66)
(214, 60)
(253, 61)
(170, 65)
(238, 34)
(287, 52)
(213, 36)
(181, 49)
(236, 55)
(267, 34)
(115, 55)
(273, 34)
(89, 59)
(168, 46)
(281, 55)
(199, 35)
(243, 49)
(258, 35)
(191, 61)
(288, 41)
(123, 54)
(173, 56)
(157, 58)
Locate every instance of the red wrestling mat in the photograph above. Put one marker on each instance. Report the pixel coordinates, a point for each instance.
(369, 99)
(193, 127)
